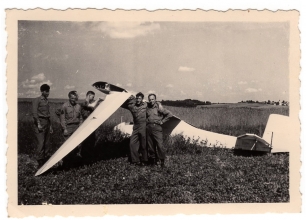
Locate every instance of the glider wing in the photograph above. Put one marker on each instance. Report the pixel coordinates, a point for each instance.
(111, 103)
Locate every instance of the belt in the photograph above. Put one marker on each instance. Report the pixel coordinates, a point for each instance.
(152, 123)
(73, 123)
(44, 117)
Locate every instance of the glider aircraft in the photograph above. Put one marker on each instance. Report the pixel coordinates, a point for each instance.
(275, 138)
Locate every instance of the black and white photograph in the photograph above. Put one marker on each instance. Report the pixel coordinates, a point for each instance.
(157, 111)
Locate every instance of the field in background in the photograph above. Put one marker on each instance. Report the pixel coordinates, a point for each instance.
(193, 174)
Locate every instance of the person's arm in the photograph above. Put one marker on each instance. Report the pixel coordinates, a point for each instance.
(63, 117)
(51, 128)
(98, 103)
(165, 112)
(35, 104)
(85, 110)
(129, 103)
(80, 114)
(34, 110)
(81, 119)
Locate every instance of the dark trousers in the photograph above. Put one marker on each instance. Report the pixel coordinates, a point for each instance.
(155, 142)
(87, 146)
(71, 128)
(138, 144)
(42, 139)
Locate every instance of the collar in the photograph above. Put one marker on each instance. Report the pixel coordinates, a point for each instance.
(142, 103)
(43, 97)
(154, 106)
(69, 104)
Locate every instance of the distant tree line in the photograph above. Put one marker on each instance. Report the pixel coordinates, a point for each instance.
(269, 102)
(185, 103)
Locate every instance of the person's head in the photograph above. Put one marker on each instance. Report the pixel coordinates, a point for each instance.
(152, 98)
(90, 95)
(73, 97)
(139, 98)
(45, 90)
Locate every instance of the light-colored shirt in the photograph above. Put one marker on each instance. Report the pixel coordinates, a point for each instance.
(70, 114)
(157, 113)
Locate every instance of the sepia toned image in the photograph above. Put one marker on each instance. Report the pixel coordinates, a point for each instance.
(176, 112)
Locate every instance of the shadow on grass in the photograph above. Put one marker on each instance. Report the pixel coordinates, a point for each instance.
(103, 150)
(247, 153)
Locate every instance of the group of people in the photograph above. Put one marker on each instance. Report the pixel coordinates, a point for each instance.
(146, 141)
(71, 115)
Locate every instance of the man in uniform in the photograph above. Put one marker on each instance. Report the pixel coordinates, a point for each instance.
(138, 138)
(156, 116)
(87, 108)
(42, 124)
(70, 116)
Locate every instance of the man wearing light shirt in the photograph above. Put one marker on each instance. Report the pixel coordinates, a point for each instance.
(70, 116)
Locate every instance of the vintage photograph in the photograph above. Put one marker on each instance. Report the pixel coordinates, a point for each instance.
(155, 112)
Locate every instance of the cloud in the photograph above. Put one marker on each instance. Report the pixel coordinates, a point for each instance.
(32, 93)
(183, 93)
(185, 69)
(69, 87)
(242, 83)
(151, 91)
(129, 84)
(36, 81)
(199, 93)
(126, 29)
(169, 86)
(82, 94)
(251, 90)
(260, 89)
(230, 88)
(39, 77)
(118, 84)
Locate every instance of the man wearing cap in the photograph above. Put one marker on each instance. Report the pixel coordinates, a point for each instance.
(42, 124)
(138, 138)
(156, 116)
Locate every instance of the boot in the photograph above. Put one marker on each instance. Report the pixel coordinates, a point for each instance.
(152, 161)
(162, 163)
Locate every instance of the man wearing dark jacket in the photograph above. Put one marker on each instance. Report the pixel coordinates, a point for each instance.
(156, 116)
(138, 138)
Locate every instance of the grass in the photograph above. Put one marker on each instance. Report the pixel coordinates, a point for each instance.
(193, 174)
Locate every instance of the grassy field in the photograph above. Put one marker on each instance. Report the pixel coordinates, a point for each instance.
(193, 174)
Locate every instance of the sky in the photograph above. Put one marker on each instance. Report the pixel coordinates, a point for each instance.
(207, 61)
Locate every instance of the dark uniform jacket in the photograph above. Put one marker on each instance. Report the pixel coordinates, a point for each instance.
(138, 112)
(40, 108)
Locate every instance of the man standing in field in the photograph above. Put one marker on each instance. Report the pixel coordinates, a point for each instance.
(42, 124)
(70, 116)
(156, 116)
(87, 108)
(138, 138)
